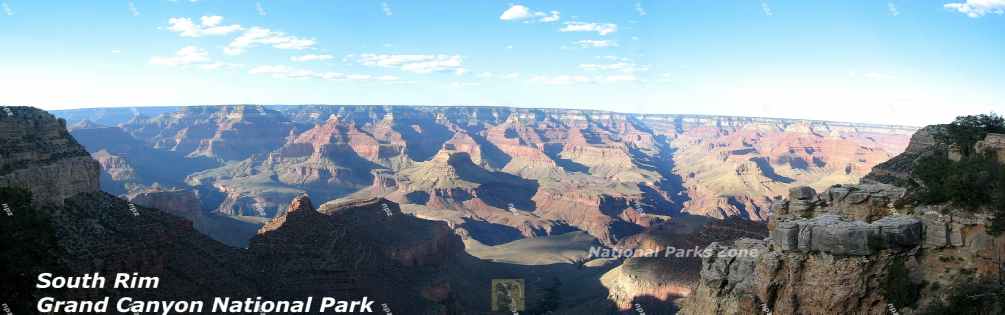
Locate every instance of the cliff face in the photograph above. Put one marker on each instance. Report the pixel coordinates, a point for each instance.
(39, 154)
(854, 249)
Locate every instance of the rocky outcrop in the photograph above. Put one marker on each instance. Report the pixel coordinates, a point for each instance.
(856, 249)
(39, 154)
(837, 236)
(183, 203)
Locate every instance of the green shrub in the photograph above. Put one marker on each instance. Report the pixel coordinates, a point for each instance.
(974, 182)
(965, 131)
(977, 298)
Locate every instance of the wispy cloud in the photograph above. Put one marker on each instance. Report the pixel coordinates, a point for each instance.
(209, 26)
(386, 8)
(285, 72)
(592, 43)
(7, 10)
(766, 9)
(978, 8)
(522, 13)
(256, 36)
(582, 79)
(186, 56)
(621, 66)
(310, 57)
(261, 11)
(892, 8)
(133, 10)
(640, 9)
(601, 28)
(415, 62)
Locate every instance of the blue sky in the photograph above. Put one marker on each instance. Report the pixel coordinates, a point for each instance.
(905, 62)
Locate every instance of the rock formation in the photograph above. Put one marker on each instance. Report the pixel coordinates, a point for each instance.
(854, 249)
(38, 153)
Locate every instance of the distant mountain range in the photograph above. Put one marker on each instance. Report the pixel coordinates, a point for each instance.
(495, 174)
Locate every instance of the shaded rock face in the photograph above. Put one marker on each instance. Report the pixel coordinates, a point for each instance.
(898, 168)
(39, 154)
(130, 166)
(353, 249)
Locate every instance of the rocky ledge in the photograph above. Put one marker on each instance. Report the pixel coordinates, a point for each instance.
(838, 236)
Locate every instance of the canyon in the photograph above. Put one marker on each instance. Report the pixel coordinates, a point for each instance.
(419, 206)
(494, 174)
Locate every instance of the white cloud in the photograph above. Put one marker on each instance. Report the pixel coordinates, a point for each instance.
(586, 43)
(311, 57)
(621, 66)
(261, 11)
(262, 36)
(415, 63)
(561, 79)
(7, 10)
(133, 10)
(892, 8)
(640, 9)
(285, 72)
(386, 8)
(582, 79)
(766, 9)
(519, 12)
(490, 75)
(185, 56)
(600, 28)
(978, 8)
(209, 26)
(116, 51)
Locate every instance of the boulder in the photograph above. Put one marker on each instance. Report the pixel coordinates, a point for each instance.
(802, 193)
